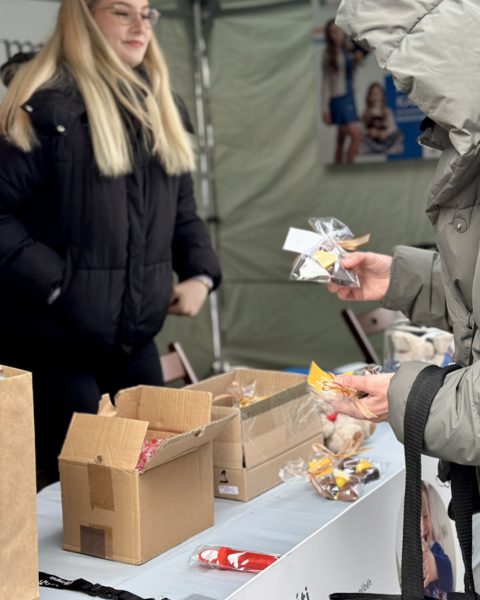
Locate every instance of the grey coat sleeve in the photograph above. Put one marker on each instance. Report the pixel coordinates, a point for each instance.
(453, 427)
(416, 287)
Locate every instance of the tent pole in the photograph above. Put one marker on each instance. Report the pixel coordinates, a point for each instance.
(206, 147)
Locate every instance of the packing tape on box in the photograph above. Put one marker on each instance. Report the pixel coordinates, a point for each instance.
(100, 487)
(96, 540)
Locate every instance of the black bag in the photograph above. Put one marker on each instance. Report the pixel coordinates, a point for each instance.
(419, 400)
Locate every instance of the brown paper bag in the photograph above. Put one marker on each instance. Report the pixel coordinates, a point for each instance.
(18, 518)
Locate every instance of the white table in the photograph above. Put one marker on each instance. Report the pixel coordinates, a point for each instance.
(325, 546)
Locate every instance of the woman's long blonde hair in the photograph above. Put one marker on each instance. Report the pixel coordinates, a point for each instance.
(105, 83)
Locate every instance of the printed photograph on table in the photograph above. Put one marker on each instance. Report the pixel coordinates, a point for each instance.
(361, 116)
(439, 557)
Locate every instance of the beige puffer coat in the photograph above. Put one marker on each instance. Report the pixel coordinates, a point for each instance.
(431, 48)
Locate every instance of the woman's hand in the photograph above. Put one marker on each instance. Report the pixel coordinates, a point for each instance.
(373, 391)
(188, 297)
(327, 118)
(373, 272)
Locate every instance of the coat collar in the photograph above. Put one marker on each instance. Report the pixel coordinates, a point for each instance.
(55, 108)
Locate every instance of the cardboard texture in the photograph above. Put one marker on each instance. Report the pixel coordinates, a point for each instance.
(262, 432)
(245, 484)
(18, 514)
(113, 511)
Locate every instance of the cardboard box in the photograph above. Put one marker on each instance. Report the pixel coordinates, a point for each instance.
(18, 508)
(260, 435)
(110, 509)
(244, 484)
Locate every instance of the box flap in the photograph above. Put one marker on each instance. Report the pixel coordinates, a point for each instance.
(106, 408)
(114, 442)
(181, 444)
(165, 409)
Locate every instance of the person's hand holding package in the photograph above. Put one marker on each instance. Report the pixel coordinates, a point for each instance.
(373, 272)
(372, 389)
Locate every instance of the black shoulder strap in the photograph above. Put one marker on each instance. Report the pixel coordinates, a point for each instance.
(84, 586)
(420, 398)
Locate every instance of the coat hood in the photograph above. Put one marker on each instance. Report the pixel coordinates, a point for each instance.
(418, 41)
(430, 47)
(9, 69)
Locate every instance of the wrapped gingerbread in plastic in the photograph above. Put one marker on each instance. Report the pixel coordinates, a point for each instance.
(362, 469)
(335, 476)
(321, 251)
(337, 485)
(341, 476)
(327, 390)
(223, 557)
(243, 395)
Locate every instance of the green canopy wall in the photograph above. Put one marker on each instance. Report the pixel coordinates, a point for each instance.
(268, 178)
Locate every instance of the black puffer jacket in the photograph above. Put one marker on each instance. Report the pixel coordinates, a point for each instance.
(111, 243)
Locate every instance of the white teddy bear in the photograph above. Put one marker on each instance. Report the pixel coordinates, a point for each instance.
(341, 431)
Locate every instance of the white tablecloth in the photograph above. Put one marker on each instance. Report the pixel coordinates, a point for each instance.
(274, 522)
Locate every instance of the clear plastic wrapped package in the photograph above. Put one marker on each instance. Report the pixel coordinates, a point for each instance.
(338, 476)
(321, 252)
(294, 470)
(338, 485)
(271, 416)
(327, 390)
(345, 481)
(245, 394)
(231, 559)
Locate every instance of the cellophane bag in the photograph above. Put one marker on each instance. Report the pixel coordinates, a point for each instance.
(323, 263)
(231, 559)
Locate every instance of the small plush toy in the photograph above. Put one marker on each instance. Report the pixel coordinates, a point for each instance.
(411, 342)
(342, 432)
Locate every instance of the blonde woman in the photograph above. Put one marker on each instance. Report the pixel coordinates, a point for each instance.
(96, 212)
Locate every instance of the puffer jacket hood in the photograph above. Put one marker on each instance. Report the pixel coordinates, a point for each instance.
(9, 69)
(414, 40)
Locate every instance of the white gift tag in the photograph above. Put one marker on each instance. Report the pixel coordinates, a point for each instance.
(302, 241)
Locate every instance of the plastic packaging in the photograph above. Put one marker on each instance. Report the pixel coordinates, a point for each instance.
(327, 390)
(294, 470)
(338, 485)
(323, 261)
(223, 557)
(345, 479)
(244, 395)
(338, 476)
(149, 448)
(270, 402)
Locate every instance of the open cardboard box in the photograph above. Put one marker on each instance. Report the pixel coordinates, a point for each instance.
(262, 437)
(111, 509)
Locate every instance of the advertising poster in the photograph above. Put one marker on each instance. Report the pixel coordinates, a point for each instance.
(361, 116)
(442, 559)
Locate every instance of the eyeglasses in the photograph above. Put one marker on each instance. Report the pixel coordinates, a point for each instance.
(127, 15)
